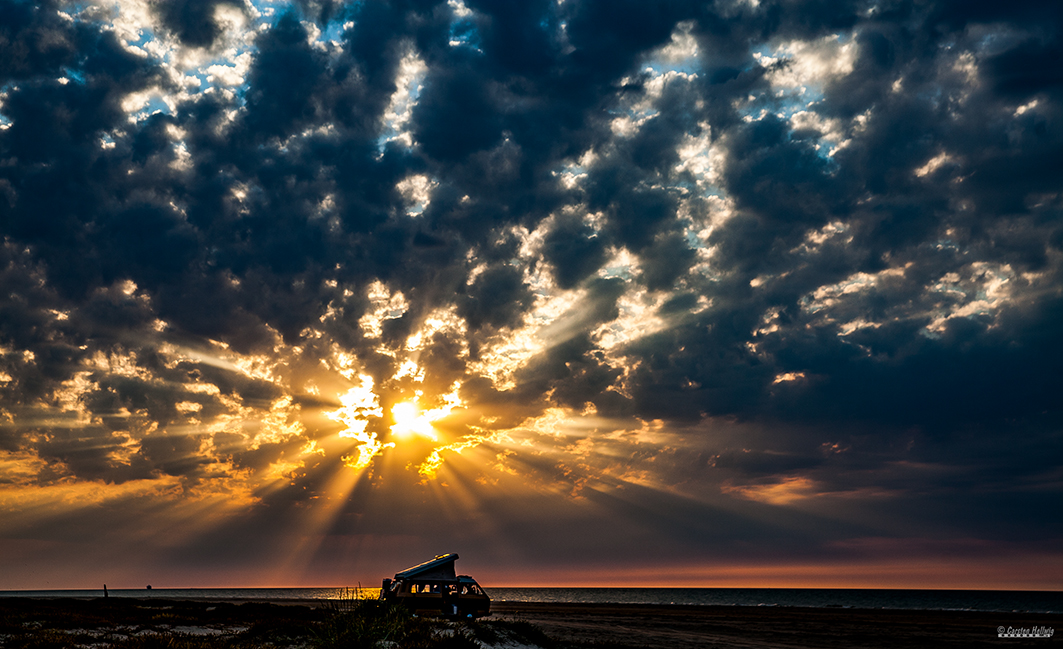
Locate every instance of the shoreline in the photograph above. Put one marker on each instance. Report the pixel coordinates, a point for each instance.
(1050, 602)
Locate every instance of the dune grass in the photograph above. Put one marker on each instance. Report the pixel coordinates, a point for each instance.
(370, 624)
(348, 623)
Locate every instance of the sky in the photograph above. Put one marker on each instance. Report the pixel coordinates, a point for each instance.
(736, 293)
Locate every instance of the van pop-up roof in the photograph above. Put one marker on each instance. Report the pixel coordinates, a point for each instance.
(439, 569)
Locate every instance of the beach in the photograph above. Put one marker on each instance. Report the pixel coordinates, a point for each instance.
(127, 622)
(749, 627)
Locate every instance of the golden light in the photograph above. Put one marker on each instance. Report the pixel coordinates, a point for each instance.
(409, 420)
(359, 403)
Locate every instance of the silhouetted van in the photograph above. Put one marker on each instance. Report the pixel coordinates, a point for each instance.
(433, 588)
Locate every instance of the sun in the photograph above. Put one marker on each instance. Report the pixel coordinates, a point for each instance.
(361, 405)
(410, 421)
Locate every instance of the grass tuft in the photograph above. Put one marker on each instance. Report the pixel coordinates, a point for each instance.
(368, 622)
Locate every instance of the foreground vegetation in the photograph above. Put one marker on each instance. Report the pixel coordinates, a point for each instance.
(120, 623)
(371, 624)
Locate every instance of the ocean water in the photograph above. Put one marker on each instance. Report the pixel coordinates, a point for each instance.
(973, 600)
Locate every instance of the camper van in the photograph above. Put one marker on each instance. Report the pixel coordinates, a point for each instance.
(432, 588)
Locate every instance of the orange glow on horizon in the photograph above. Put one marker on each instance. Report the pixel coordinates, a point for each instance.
(919, 573)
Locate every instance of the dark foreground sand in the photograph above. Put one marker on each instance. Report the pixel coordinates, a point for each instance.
(680, 627)
(570, 626)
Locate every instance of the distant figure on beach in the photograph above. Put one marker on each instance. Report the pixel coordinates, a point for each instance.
(105, 590)
(149, 586)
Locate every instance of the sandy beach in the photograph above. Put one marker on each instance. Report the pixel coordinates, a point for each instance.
(128, 622)
(680, 627)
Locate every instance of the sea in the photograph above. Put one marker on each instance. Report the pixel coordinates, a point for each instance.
(963, 600)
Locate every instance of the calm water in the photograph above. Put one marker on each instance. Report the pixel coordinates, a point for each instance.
(977, 600)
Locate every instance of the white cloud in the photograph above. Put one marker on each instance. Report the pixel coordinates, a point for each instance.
(416, 191)
(411, 73)
(809, 64)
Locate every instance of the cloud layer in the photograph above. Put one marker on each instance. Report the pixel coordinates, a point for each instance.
(739, 281)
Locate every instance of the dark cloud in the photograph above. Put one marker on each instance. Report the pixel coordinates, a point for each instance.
(575, 250)
(284, 82)
(35, 40)
(194, 21)
(496, 299)
(456, 116)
